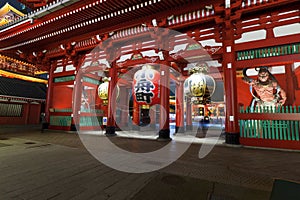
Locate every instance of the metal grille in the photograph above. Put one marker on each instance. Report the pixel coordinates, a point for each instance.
(10, 110)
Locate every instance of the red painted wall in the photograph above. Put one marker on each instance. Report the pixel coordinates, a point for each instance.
(30, 115)
(244, 95)
(297, 86)
(62, 97)
(34, 114)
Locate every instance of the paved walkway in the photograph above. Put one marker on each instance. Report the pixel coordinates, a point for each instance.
(56, 165)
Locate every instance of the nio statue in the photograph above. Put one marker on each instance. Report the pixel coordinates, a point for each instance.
(265, 89)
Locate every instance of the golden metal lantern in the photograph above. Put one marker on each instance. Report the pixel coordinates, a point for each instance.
(199, 86)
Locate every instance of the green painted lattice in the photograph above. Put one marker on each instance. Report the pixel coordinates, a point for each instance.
(91, 80)
(64, 79)
(60, 120)
(62, 110)
(90, 121)
(270, 129)
(269, 52)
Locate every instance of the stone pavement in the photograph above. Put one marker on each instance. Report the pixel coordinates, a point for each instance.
(56, 165)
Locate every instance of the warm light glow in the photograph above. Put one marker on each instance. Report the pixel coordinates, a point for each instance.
(7, 13)
(22, 77)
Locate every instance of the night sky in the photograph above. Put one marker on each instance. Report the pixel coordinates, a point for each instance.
(19, 6)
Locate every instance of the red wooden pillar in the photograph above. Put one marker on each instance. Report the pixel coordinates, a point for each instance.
(179, 107)
(37, 121)
(112, 98)
(228, 64)
(49, 96)
(124, 106)
(189, 123)
(26, 112)
(77, 61)
(290, 88)
(152, 112)
(164, 122)
(77, 102)
(136, 115)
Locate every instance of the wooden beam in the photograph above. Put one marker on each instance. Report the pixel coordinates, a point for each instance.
(270, 42)
(269, 116)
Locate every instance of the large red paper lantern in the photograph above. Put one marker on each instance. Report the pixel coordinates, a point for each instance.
(145, 86)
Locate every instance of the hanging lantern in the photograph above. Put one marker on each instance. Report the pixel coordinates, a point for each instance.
(199, 85)
(146, 86)
(103, 90)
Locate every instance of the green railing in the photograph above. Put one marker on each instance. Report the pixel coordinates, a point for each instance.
(274, 126)
(90, 121)
(91, 117)
(97, 111)
(60, 120)
(269, 52)
(61, 110)
(91, 80)
(64, 79)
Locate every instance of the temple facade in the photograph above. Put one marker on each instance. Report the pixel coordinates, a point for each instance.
(135, 64)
